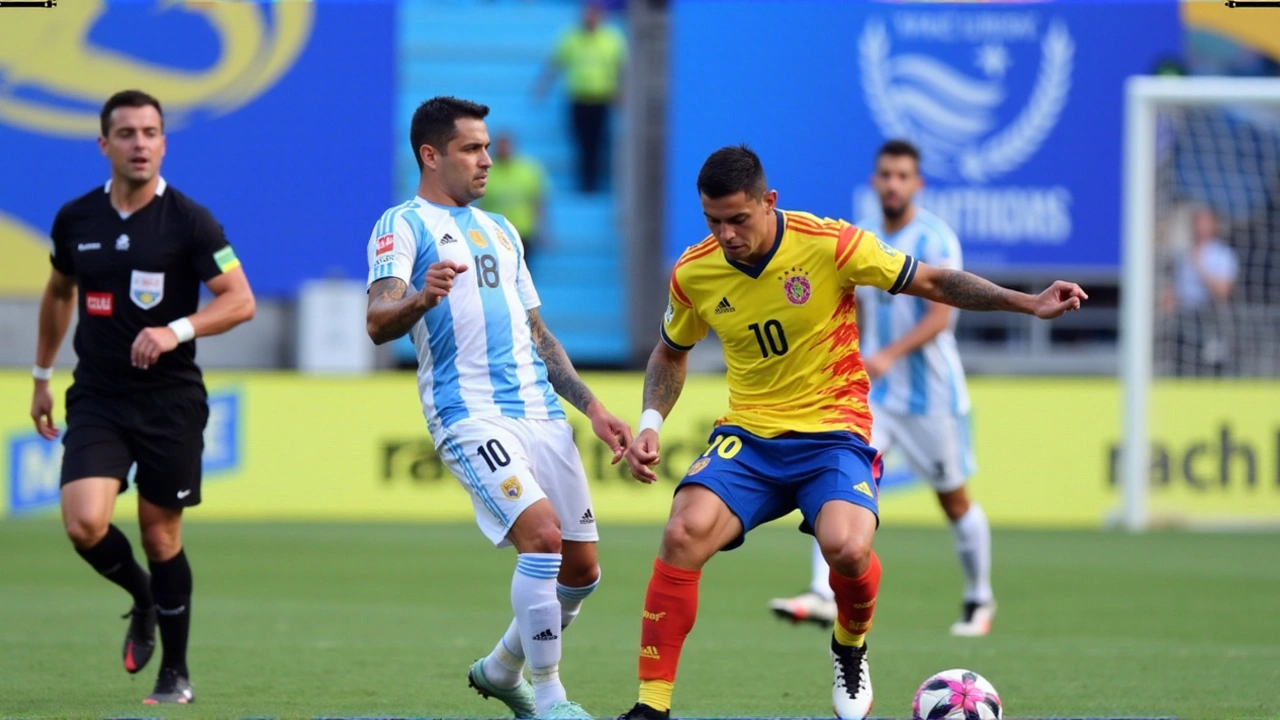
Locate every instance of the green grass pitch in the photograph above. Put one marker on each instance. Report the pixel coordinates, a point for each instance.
(298, 619)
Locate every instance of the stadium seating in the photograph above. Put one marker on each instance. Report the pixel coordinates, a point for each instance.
(494, 53)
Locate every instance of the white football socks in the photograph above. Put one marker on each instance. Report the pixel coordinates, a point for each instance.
(505, 664)
(973, 547)
(540, 632)
(543, 610)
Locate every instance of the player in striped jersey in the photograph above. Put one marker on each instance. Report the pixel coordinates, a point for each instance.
(918, 393)
(777, 287)
(488, 373)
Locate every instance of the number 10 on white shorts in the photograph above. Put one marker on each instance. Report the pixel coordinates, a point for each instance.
(507, 464)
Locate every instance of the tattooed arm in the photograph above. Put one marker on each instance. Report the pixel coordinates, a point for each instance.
(663, 381)
(970, 292)
(390, 314)
(664, 378)
(564, 379)
(391, 311)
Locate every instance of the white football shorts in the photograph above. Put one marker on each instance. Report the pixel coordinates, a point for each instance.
(938, 448)
(507, 464)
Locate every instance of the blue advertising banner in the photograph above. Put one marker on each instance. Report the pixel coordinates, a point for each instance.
(1017, 109)
(278, 120)
(35, 464)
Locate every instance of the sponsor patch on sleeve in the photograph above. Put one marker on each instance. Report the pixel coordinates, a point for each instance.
(386, 244)
(99, 303)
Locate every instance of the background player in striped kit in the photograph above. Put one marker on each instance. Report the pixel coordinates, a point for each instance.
(488, 373)
(918, 395)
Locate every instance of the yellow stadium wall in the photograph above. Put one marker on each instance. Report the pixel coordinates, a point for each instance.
(283, 446)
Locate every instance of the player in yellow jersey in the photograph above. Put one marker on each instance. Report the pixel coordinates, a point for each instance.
(778, 289)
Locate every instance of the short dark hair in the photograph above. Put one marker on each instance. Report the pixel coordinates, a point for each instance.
(730, 170)
(899, 148)
(435, 122)
(128, 98)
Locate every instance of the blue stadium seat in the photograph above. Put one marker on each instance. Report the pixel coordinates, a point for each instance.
(493, 51)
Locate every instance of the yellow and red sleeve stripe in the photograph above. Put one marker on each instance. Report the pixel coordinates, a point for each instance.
(847, 244)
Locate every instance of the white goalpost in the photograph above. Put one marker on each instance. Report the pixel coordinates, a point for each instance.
(1200, 153)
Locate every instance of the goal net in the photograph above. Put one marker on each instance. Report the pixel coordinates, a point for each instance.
(1200, 357)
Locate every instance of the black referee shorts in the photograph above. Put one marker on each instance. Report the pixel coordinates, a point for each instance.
(160, 430)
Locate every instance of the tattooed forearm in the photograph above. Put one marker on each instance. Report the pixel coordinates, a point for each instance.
(390, 314)
(564, 379)
(664, 379)
(970, 292)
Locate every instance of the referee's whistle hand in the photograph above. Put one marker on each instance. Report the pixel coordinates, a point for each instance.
(42, 411)
(150, 344)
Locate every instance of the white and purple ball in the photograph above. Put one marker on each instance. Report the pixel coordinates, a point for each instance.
(956, 695)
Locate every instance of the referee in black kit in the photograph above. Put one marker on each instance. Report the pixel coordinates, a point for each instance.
(137, 251)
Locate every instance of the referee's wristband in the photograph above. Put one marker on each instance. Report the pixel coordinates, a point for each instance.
(41, 373)
(183, 328)
(650, 420)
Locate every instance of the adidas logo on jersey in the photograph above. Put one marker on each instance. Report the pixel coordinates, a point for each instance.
(546, 635)
(448, 239)
(724, 307)
(863, 488)
(649, 651)
(587, 518)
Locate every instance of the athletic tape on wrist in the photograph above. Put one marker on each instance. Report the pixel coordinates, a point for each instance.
(183, 328)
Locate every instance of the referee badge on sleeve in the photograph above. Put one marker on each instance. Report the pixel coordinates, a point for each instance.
(146, 289)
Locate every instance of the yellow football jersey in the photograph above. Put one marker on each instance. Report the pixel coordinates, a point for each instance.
(788, 323)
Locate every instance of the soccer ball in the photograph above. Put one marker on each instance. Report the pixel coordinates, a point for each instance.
(956, 695)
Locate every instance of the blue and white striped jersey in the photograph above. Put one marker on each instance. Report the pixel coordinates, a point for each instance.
(929, 381)
(476, 356)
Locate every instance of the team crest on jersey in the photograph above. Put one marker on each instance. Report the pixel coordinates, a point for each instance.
(795, 283)
(503, 240)
(698, 465)
(478, 238)
(146, 289)
(511, 488)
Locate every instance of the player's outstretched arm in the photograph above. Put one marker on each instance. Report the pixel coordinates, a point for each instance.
(663, 380)
(565, 381)
(967, 291)
(392, 311)
(56, 307)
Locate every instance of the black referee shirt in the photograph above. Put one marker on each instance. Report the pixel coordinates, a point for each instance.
(136, 270)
